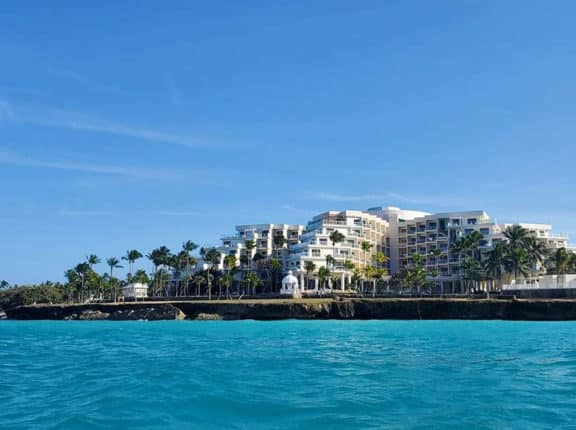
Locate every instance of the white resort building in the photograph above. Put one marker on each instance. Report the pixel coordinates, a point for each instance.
(269, 241)
(394, 232)
(357, 227)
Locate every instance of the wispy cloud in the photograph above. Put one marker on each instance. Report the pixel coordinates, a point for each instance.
(13, 159)
(83, 79)
(51, 117)
(374, 198)
(141, 213)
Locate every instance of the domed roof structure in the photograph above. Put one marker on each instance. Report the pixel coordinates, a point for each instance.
(290, 285)
(290, 279)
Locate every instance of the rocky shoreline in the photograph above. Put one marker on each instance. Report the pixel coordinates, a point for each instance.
(343, 309)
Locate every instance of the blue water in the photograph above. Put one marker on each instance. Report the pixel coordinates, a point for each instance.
(287, 375)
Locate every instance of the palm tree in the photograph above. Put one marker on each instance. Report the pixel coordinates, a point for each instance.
(516, 235)
(496, 261)
(366, 247)
(336, 237)
(131, 257)
(517, 262)
(279, 242)
(349, 266)
(416, 275)
(379, 260)
(199, 280)
(188, 247)
(250, 245)
(309, 268)
(229, 266)
(323, 275)
(252, 281)
(82, 270)
(559, 261)
(275, 269)
(159, 257)
(4, 284)
(212, 257)
(113, 263)
(537, 251)
(92, 260)
(458, 248)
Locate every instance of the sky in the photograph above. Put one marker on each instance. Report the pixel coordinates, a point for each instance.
(136, 124)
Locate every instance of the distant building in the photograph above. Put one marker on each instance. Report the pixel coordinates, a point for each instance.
(316, 247)
(135, 291)
(270, 240)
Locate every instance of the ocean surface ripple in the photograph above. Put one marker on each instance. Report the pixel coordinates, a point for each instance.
(287, 375)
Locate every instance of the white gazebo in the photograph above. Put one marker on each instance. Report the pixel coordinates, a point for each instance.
(290, 286)
(135, 291)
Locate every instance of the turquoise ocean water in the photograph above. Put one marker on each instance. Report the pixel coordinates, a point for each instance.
(287, 375)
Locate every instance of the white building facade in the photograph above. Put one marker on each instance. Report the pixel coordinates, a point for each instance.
(316, 247)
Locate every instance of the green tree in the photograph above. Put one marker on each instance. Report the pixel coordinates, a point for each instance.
(323, 275)
(113, 263)
(495, 263)
(366, 247)
(309, 268)
(92, 260)
(131, 257)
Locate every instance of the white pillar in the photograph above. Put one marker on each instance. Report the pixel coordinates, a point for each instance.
(315, 284)
(342, 281)
(302, 286)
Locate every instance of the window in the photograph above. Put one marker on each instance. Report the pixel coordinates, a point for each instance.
(456, 221)
(315, 253)
(485, 231)
(323, 241)
(471, 221)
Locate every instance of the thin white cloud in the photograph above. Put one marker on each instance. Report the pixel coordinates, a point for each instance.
(83, 79)
(107, 213)
(375, 198)
(13, 159)
(58, 118)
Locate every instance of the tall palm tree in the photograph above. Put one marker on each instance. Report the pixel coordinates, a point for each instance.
(189, 247)
(517, 262)
(279, 242)
(495, 263)
(113, 263)
(131, 257)
(275, 270)
(366, 247)
(323, 275)
(199, 280)
(159, 258)
(336, 237)
(537, 251)
(458, 249)
(229, 266)
(309, 268)
(559, 261)
(92, 260)
(212, 258)
(516, 236)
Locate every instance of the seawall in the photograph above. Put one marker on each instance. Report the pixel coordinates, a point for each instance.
(349, 309)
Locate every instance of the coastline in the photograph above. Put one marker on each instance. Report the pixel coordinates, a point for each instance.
(309, 309)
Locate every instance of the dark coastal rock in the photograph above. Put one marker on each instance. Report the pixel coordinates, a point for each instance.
(94, 312)
(360, 309)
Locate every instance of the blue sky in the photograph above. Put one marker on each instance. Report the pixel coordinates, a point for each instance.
(136, 124)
